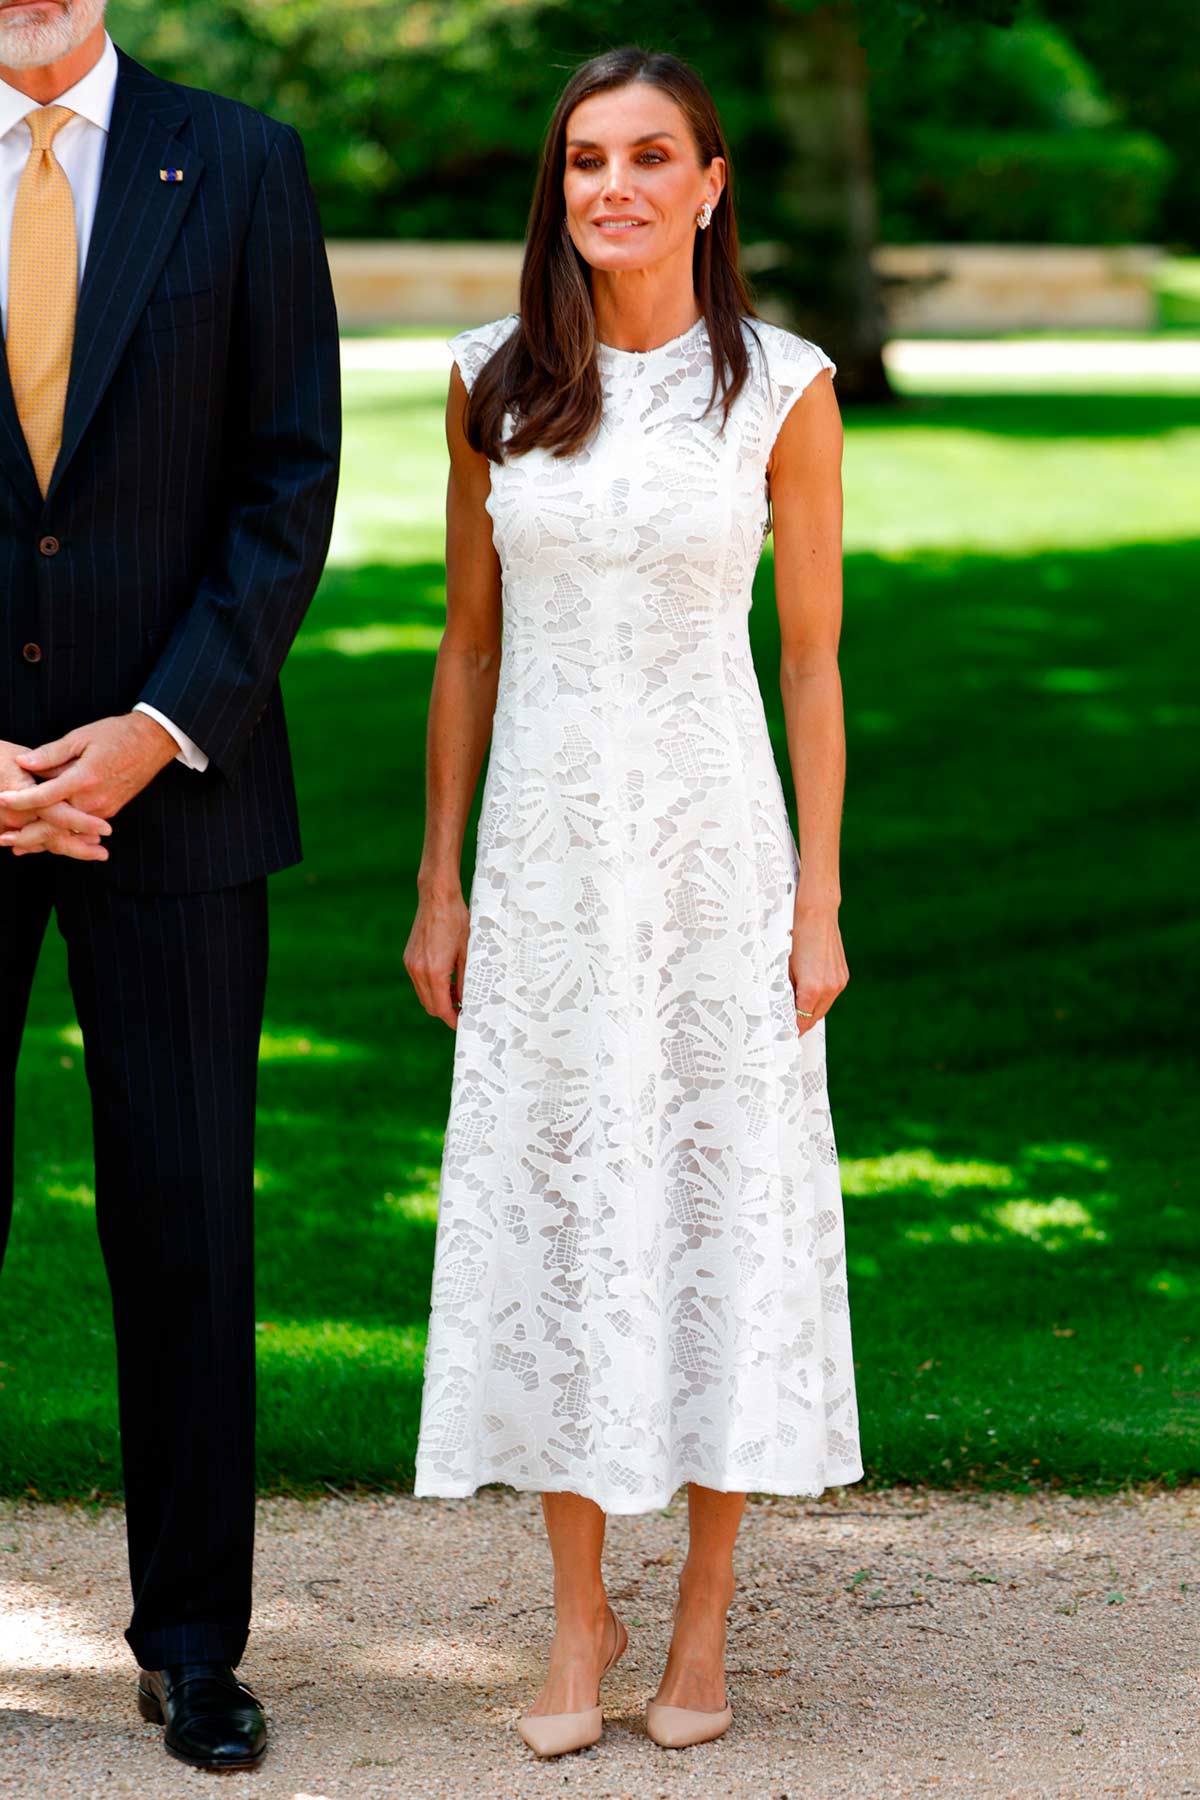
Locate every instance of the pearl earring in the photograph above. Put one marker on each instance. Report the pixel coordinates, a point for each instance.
(704, 216)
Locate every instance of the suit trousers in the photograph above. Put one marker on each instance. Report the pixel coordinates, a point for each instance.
(169, 994)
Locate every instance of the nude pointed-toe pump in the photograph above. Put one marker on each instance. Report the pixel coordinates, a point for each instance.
(676, 1727)
(555, 1734)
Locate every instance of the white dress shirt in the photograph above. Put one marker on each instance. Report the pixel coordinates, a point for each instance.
(79, 148)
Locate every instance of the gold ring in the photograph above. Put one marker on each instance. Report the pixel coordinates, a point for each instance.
(801, 1014)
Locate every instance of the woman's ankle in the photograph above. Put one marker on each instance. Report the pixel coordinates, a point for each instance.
(703, 1585)
(581, 1615)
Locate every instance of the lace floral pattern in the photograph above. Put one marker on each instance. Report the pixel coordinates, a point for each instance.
(640, 1272)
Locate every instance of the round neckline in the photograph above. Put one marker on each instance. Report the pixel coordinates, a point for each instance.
(612, 351)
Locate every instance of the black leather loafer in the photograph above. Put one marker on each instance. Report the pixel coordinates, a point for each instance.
(212, 1719)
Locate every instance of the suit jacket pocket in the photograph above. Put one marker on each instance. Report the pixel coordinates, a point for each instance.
(177, 311)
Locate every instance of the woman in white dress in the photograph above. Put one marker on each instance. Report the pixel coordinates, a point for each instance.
(640, 1274)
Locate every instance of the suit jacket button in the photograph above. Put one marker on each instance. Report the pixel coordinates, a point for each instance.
(32, 653)
(49, 546)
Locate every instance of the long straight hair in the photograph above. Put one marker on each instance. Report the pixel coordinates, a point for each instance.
(545, 373)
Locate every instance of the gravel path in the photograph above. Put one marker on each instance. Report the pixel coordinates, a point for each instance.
(890, 1644)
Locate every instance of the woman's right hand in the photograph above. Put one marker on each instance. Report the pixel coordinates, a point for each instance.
(436, 954)
(462, 705)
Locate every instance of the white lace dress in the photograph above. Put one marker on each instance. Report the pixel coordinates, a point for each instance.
(640, 1274)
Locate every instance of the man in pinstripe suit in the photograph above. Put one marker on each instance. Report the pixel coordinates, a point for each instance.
(165, 513)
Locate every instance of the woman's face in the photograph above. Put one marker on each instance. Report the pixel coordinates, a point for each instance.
(633, 182)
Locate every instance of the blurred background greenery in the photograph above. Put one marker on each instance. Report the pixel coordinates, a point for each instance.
(855, 122)
(992, 121)
(1013, 1066)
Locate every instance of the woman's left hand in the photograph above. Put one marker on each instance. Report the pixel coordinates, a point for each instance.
(817, 964)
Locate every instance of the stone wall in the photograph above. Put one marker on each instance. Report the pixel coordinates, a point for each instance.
(929, 289)
(941, 290)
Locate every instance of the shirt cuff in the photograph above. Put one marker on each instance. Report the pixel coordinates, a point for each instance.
(190, 754)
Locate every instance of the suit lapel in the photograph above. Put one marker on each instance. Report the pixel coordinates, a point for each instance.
(14, 451)
(138, 216)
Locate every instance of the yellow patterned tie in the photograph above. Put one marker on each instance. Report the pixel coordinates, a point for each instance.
(42, 291)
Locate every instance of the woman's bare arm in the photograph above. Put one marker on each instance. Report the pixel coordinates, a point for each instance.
(806, 502)
(461, 710)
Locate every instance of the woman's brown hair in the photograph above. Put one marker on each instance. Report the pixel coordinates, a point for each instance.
(545, 372)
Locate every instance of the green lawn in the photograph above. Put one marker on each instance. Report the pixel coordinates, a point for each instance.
(1177, 290)
(1012, 1068)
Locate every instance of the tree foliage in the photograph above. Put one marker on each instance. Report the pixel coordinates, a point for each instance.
(1145, 52)
(422, 118)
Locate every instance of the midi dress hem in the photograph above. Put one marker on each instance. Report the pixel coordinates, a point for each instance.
(627, 1505)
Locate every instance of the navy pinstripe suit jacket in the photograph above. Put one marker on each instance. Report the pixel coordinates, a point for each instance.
(189, 514)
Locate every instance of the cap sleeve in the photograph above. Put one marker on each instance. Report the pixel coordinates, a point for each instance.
(792, 364)
(471, 349)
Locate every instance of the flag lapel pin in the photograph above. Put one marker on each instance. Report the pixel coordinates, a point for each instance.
(170, 174)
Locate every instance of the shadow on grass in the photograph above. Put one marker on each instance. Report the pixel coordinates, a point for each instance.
(1039, 415)
(1011, 1067)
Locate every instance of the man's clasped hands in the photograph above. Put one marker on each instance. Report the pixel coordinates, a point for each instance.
(61, 797)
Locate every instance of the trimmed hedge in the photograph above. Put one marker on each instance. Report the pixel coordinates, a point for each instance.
(1022, 187)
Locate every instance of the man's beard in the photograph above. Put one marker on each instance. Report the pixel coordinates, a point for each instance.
(31, 38)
